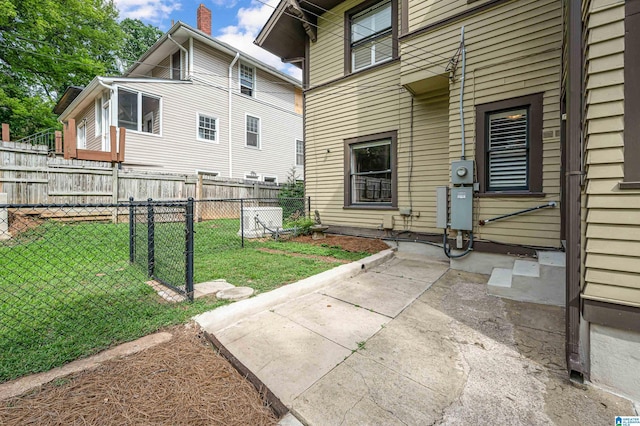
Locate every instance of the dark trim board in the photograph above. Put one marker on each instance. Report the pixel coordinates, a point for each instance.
(454, 18)
(347, 30)
(393, 137)
(611, 315)
(631, 93)
(534, 104)
(265, 393)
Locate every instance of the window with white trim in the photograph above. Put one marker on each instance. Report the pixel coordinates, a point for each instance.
(207, 128)
(253, 132)
(371, 36)
(270, 179)
(252, 176)
(247, 79)
(299, 153)
(138, 111)
(81, 135)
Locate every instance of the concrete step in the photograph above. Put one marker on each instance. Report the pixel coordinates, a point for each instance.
(526, 268)
(537, 281)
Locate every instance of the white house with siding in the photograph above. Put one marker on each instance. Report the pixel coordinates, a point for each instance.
(194, 104)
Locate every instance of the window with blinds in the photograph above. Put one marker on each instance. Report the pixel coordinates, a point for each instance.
(508, 150)
(371, 36)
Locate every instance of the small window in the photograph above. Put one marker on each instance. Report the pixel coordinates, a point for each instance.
(270, 179)
(207, 128)
(507, 150)
(370, 178)
(176, 66)
(138, 111)
(81, 135)
(252, 176)
(247, 80)
(371, 35)
(509, 145)
(253, 132)
(299, 153)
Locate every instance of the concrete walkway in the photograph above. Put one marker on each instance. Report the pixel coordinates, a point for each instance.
(411, 342)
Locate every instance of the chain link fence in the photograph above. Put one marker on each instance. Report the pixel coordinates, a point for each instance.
(76, 278)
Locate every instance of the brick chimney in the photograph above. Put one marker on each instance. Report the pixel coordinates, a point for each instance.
(203, 16)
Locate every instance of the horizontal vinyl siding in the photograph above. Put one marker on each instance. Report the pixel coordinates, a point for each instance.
(163, 69)
(423, 13)
(278, 131)
(211, 65)
(274, 91)
(89, 115)
(178, 150)
(327, 54)
(612, 263)
(366, 111)
(503, 61)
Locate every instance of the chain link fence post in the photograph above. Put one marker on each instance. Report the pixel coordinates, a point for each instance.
(150, 238)
(309, 207)
(132, 232)
(189, 249)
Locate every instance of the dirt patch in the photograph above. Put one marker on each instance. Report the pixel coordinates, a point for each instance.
(180, 382)
(19, 223)
(352, 244)
(327, 259)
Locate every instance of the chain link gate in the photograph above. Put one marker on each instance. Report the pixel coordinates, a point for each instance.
(161, 241)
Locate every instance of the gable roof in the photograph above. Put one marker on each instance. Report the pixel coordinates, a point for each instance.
(284, 34)
(181, 32)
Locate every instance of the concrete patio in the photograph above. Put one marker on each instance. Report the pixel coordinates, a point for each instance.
(411, 342)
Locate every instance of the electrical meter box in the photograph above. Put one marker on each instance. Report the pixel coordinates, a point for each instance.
(462, 172)
(462, 208)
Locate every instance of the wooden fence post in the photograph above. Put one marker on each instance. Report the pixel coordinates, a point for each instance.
(199, 196)
(70, 140)
(114, 147)
(123, 133)
(5, 132)
(114, 188)
(58, 138)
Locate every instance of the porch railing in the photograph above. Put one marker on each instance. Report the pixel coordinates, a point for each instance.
(45, 137)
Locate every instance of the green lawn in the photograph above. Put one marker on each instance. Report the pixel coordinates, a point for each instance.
(68, 290)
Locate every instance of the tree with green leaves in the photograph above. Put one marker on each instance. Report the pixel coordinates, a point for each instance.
(137, 38)
(48, 45)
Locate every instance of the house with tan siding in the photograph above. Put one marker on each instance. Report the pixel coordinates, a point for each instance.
(491, 128)
(192, 104)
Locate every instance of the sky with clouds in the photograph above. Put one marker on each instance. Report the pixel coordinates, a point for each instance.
(236, 22)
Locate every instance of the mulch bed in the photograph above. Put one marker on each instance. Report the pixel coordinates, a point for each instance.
(181, 382)
(352, 244)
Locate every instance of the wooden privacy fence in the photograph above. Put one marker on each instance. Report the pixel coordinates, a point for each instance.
(31, 175)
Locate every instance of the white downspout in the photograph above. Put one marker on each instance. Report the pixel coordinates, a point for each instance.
(186, 54)
(229, 87)
(190, 63)
(113, 108)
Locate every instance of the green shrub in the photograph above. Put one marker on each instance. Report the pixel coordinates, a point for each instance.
(302, 225)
